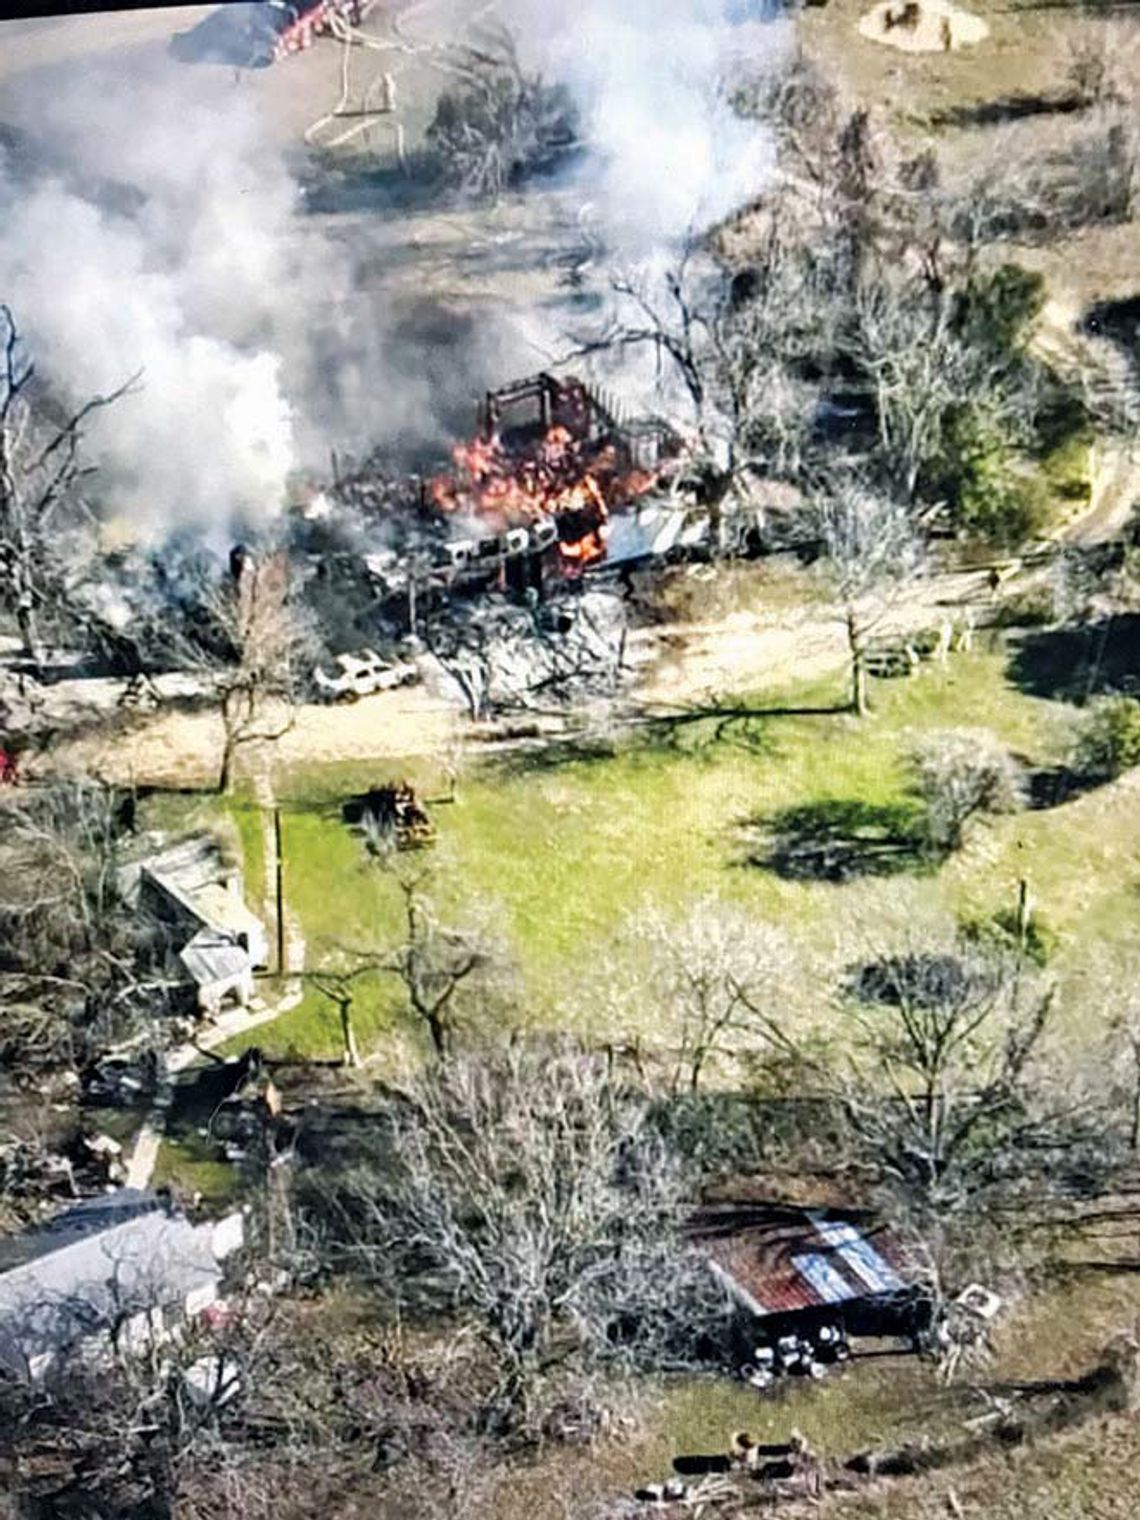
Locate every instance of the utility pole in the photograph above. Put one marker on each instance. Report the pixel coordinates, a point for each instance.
(1024, 912)
(279, 888)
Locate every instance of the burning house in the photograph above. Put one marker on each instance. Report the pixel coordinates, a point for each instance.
(533, 499)
(496, 566)
(554, 459)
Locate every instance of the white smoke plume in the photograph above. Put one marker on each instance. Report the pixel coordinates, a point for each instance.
(653, 79)
(159, 228)
(151, 238)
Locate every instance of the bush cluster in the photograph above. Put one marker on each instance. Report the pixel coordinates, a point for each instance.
(1109, 743)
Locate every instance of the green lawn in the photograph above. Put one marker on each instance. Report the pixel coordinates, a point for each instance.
(190, 1164)
(247, 820)
(560, 851)
(236, 820)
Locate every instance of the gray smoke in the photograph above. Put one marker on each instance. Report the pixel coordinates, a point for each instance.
(150, 220)
(154, 237)
(654, 79)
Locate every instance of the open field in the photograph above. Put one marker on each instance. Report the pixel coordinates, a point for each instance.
(561, 845)
(992, 104)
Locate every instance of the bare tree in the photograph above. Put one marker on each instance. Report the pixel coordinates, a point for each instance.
(339, 985)
(116, 1435)
(41, 513)
(79, 972)
(504, 657)
(962, 774)
(434, 962)
(498, 123)
(872, 552)
(254, 643)
(1126, 1029)
(444, 970)
(1120, 1057)
(907, 345)
(527, 1192)
(949, 1101)
(715, 973)
(743, 355)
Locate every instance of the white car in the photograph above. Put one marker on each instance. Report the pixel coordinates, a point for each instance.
(364, 675)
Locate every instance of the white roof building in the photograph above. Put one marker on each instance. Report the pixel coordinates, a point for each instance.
(121, 1267)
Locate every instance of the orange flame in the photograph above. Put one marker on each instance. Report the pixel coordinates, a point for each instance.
(555, 479)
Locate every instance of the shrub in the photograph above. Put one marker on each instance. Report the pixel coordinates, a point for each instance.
(1061, 413)
(978, 474)
(960, 774)
(926, 641)
(995, 310)
(1035, 607)
(1109, 744)
(1067, 469)
(1000, 932)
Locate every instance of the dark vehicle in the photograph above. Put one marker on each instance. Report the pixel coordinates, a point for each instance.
(242, 35)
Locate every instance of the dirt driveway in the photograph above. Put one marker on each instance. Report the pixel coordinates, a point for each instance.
(180, 749)
(675, 666)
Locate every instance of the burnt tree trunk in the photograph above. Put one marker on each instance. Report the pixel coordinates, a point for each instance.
(28, 624)
(226, 769)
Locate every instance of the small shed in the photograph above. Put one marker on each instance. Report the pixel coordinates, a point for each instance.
(792, 1269)
(219, 967)
(215, 941)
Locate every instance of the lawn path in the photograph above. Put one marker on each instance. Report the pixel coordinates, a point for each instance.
(228, 1026)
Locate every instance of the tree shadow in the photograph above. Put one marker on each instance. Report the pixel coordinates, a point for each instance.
(1075, 663)
(1053, 786)
(544, 755)
(696, 729)
(1119, 322)
(691, 733)
(931, 979)
(1018, 106)
(841, 839)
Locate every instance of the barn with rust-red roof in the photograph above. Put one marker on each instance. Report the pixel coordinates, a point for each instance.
(791, 1267)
